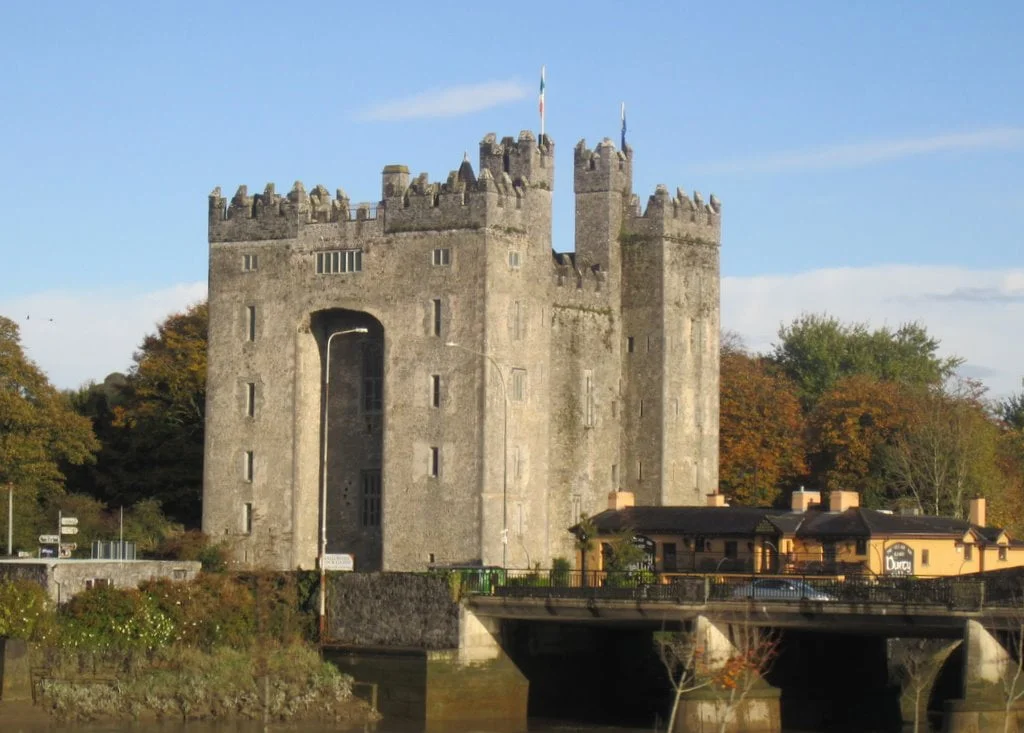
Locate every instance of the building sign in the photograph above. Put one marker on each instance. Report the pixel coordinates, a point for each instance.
(339, 561)
(899, 559)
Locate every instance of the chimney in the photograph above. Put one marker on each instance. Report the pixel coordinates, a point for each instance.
(802, 500)
(716, 499)
(620, 500)
(840, 501)
(978, 511)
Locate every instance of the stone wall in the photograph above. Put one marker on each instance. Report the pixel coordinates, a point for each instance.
(393, 610)
(63, 579)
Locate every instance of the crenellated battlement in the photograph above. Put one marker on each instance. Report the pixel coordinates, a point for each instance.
(527, 161)
(602, 169)
(678, 216)
(514, 175)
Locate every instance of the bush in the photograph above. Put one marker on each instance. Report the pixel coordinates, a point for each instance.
(25, 611)
(194, 545)
(210, 611)
(114, 620)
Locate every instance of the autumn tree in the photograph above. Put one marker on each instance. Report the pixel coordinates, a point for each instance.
(39, 433)
(849, 430)
(817, 351)
(761, 434)
(152, 421)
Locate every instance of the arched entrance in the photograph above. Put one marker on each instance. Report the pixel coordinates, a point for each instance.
(351, 347)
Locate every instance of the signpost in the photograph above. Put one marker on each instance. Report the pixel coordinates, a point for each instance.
(69, 530)
(49, 539)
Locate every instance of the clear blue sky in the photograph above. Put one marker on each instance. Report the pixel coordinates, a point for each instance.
(837, 134)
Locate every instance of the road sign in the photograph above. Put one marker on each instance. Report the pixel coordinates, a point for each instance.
(69, 530)
(49, 539)
(69, 521)
(339, 561)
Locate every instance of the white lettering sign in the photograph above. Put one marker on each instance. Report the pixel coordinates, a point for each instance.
(339, 561)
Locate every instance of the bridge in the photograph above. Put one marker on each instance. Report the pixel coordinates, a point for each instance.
(552, 642)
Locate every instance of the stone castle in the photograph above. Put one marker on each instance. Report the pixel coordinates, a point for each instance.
(447, 386)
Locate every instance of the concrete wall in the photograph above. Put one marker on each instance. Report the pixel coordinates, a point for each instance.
(63, 579)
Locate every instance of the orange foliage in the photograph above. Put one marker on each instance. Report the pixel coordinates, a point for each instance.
(761, 430)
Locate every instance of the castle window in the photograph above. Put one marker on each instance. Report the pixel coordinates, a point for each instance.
(442, 257)
(371, 499)
(250, 263)
(615, 408)
(588, 398)
(513, 259)
(518, 385)
(518, 327)
(373, 378)
(630, 344)
(577, 507)
(250, 399)
(639, 471)
(435, 390)
(247, 465)
(339, 261)
(247, 518)
(641, 408)
(434, 467)
(615, 475)
(436, 304)
(250, 322)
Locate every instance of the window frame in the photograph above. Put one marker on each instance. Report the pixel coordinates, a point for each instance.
(339, 261)
(370, 496)
(442, 257)
(250, 262)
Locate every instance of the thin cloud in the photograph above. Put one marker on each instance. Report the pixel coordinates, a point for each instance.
(447, 102)
(977, 295)
(852, 155)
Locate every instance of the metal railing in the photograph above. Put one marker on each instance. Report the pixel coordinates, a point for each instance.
(949, 592)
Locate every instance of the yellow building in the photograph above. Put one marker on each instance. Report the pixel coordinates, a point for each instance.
(811, 538)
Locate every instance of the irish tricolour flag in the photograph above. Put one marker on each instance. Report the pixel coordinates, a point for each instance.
(540, 101)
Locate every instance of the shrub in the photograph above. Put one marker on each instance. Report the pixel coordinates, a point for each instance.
(25, 611)
(114, 620)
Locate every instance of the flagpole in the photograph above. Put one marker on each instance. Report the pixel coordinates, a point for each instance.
(541, 104)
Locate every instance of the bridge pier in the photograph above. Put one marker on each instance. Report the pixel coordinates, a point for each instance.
(914, 665)
(747, 708)
(991, 677)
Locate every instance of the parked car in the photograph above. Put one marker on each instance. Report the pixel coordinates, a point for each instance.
(780, 589)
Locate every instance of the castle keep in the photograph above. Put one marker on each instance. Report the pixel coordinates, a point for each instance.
(460, 391)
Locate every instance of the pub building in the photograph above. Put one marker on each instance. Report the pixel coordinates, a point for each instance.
(810, 538)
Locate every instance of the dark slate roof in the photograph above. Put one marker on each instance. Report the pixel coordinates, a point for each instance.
(466, 174)
(739, 521)
(748, 521)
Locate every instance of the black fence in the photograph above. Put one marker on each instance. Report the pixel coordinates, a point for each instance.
(949, 592)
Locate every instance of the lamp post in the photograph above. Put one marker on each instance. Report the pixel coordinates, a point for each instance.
(322, 554)
(504, 441)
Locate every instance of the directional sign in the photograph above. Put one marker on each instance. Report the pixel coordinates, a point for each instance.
(69, 530)
(69, 546)
(49, 539)
(69, 521)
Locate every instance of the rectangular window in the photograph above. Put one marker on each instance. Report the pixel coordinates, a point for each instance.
(829, 551)
(247, 518)
(250, 322)
(924, 557)
(436, 305)
(630, 344)
(615, 408)
(668, 557)
(517, 465)
(247, 465)
(442, 257)
(615, 475)
(641, 408)
(518, 385)
(513, 259)
(517, 321)
(250, 263)
(701, 544)
(370, 515)
(373, 378)
(862, 546)
(588, 398)
(435, 390)
(1002, 554)
(435, 461)
(731, 550)
(250, 399)
(339, 261)
(968, 553)
(577, 507)
(639, 471)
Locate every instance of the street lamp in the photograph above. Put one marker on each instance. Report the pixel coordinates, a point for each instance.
(504, 441)
(322, 554)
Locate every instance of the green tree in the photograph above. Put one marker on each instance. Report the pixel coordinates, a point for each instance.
(816, 351)
(1011, 411)
(761, 433)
